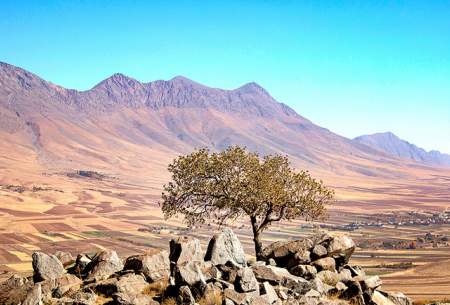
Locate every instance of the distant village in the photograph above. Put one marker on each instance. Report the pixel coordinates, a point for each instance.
(411, 218)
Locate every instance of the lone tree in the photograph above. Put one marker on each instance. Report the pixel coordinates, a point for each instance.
(217, 187)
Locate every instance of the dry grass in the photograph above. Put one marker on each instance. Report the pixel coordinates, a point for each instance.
(212, 297)
(156, 288)
(169, 301)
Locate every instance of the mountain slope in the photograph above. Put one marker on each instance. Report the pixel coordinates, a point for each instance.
(393, 145)
(133, 129)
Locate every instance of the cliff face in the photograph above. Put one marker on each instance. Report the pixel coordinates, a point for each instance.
(309, 271)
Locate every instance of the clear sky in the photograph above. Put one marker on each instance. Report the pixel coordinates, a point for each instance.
(354, 67)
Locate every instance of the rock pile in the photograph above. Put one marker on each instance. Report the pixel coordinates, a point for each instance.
(310, 271)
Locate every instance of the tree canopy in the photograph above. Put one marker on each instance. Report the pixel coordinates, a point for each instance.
(227, 185)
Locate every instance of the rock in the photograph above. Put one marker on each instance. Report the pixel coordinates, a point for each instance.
(246, 280)
(275, 275)
(326, 263)
(84, 298)
(355, 270)
(14, 290)
(34, 296)
(225, 247)
(185, 296)
(329, 277)
(104, 264)
(185, 249)
(259, 300)
(239, 298)
(369, 282)
(46, 267)
(131, 284)
(319, 251)
(269, 293)
(341, 248)
(191, 273)
(379, 299)
(289, 254)
(60, 286)
(397, 298)
(154, 267)
(106, 287)
(305, 271)
(127, 299)
(81, 262)
(353, 290)
(65, 258)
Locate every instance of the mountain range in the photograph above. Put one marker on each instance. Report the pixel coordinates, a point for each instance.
(132, 130)
(393, 145)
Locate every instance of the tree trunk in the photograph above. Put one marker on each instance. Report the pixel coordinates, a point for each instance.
(257, 239)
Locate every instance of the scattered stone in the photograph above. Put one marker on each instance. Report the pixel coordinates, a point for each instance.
(154, 267)
(185, 249)
(341, 247)
(326, 263)
(319, 251)
(84, 298)
(397, 298)
(34, 296)
(225, 247)
(305, 271)
(65, 258)
(46, 267)
(104, 264)
(269, 293)
(246, 280)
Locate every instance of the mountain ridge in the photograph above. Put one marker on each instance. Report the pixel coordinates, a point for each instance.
(389, 143)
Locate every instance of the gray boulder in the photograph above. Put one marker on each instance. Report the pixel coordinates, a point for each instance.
(341, 248)
(225, 247)
(326, 263)
(154, 267)
(104, 264)
(185, 249)
(34, 296)
(397, 298)
(305, 271)
(269, 293)
(46, 267)
(65, 258)
(246, 280)
(289, 254)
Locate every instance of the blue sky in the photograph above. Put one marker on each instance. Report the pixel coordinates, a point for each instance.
(354, 67)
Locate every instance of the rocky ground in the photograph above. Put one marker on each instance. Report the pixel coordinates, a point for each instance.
(309, 271)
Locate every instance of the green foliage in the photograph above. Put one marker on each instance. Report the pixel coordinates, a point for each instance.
(232, 183)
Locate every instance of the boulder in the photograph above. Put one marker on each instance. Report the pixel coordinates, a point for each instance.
(275, 275)
(154, 267)
(289, 254)
(326, 263)
(46, 267)
(319, 251)
(81, 262)
(185, 296)
(246, 280)
(185, 249)
(65, 258)
(305, 271)
(379, 299)
(84, 298)
(239, 298)
(397, 298)
(132, 299)
(341, 248)
(14, 290)
(104, 264)
(131, 284)
(191, 273)
(34, 296)
(269, 293)
(369, 283)
(225, 247)
(60, 286)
